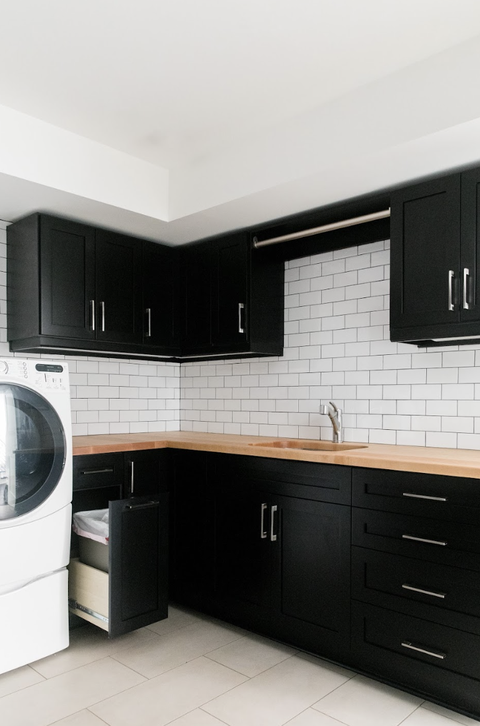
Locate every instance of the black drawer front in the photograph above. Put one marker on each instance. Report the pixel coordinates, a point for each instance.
(419, 641)
(448, 543)
(97, 470)
(318, 482)
(438, 592)
(425, 495)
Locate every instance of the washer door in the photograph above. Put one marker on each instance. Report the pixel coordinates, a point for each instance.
(32, 450)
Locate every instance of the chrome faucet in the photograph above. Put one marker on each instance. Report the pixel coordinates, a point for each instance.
(335, 416)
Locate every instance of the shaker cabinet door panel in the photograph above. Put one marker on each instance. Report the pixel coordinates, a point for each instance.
(67, 263)
(118, 298)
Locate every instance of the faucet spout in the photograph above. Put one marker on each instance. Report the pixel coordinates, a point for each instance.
(335, 415)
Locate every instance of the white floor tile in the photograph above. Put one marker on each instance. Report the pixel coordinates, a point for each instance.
(452, 715)
(47, 702)
(88, 644)
(197, 718)
(18, 679)
(169, 696)
(363, 702)
(251, 655)
(177, 619)
(277, 695)
(423, 717)
(171, 650)
(313, 718)
(82, 718)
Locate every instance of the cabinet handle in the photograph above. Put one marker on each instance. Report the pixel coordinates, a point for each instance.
(92, 315)
(451, 277)
(466, 275)
(143, 505)
(410, 646)
(148, 334)
(241, 317)
(432, 593)
(424, 496)
(263, 533)
(102, 311)
(132, 477)
(273, 537)
(97, 471)
(425, 541)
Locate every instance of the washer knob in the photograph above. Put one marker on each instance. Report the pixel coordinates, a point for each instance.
(3, 366)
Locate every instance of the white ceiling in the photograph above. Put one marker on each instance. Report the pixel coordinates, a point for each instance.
(176, 119)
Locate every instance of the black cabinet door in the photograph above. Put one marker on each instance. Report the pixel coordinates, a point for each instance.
(160, 297)
(118, 288)
(314, 539)
(425, 254)
(195, 295)
(247, 553)
(138, 563)
(230, 293)
(67, 269)
(470, 256)
(192, 531)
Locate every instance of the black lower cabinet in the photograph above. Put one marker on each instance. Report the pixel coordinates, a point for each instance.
(129, 589)
(255, 545)
(432, 660)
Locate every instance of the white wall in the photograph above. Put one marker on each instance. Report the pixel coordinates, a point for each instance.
(337, 349)
(110, 395)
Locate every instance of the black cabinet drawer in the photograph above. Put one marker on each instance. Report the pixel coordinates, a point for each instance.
(440, 593)
(302, 479)
(425, 495)
(93, 471)
(416, 640)
(448, 543)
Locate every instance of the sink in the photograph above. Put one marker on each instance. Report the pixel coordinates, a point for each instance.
(306, 445)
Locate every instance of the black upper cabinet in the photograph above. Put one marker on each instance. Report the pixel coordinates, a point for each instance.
(71, 287)
(161, 328)
(232, 299)
(117, 298)
(434, 260)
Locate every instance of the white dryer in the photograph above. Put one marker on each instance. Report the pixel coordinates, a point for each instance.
(35, 509)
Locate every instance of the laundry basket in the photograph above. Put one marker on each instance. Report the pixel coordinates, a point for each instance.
(92, 530)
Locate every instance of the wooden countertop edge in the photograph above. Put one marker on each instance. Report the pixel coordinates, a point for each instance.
(450, 462)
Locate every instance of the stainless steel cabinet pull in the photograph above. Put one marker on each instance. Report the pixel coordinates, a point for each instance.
(466, 275)
(143, 505)
(102, 310)
(410, 646)
(263, 533)
(425, 541)
(98, 471)
(451, 277)
(132, 477)
(432, 593)
(92, 315)
(273, 536)
(241, 323)
(424, 496)
(148, 334)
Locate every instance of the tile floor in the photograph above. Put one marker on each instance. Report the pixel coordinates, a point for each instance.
(190, 670)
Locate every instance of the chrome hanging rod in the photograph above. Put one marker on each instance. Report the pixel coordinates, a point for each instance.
(323, 228)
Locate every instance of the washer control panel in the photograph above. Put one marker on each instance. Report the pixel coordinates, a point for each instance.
(50, 376)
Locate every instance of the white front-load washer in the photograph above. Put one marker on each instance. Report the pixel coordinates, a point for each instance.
(35, 508)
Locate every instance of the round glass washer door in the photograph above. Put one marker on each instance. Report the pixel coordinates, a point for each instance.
(32, 450)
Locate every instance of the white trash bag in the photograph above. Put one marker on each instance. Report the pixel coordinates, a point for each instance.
(92, 524)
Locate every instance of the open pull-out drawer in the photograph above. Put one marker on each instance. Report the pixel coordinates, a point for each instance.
(134, 592)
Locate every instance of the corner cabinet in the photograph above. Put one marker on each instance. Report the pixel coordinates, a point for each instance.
(435, 268)
(232, 299)
(73, 288)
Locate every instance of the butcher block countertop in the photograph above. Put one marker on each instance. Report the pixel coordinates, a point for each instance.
(450, 462)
